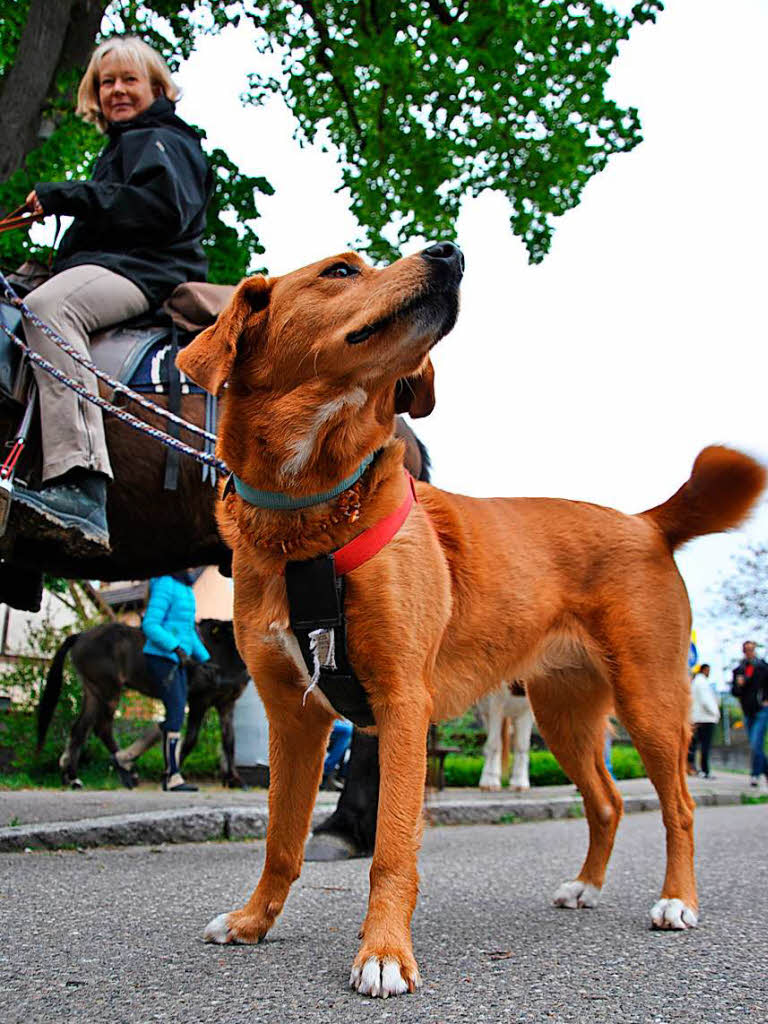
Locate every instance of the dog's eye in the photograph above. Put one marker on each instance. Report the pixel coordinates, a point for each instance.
(340, 270)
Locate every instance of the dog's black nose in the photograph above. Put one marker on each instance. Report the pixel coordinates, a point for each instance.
(446, 252)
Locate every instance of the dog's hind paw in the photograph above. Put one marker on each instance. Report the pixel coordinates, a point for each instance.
(671, 914)
(218, 931)
(383, 977)
(576, 895)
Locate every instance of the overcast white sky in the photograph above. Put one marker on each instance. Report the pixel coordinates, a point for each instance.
(600, 374)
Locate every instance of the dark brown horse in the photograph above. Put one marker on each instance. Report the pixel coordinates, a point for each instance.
(109, 659)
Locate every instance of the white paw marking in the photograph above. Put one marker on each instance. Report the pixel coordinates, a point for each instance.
(673, 915)
(379, 978)
(577, 895)
(217, 931)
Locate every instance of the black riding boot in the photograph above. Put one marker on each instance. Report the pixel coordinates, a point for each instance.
(173, 780)
(71, 509)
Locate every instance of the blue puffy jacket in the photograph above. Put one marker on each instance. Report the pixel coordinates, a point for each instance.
(169, 621)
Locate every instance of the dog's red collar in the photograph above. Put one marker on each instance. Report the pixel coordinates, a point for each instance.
(371, 541)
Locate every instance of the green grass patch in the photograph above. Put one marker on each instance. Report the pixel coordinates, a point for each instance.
(25, 768)
(465, 769)
(747, 798)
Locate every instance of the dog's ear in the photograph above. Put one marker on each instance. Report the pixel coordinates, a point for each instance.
(208, 359)
(416, 395)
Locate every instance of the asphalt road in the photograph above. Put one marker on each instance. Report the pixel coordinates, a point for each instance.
(115, 935)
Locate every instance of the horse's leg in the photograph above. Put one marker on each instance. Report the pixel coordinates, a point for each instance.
(70, 759)
(21, 588)
(572, 711)
(129, 755)
(197, 710)
(103, 728)
(230, 775)
(521, 745)
(351, 830)
(492, 710)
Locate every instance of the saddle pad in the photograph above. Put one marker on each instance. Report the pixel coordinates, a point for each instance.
(151, 373)
(138, 356)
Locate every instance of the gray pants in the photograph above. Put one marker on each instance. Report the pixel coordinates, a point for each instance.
(75, 303)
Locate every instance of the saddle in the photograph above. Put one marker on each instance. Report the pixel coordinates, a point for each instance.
(140, 353)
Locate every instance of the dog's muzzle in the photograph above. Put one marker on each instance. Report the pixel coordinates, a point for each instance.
(446, 269)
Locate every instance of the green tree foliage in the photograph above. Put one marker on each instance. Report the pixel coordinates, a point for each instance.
(425, 101)
(431, 100)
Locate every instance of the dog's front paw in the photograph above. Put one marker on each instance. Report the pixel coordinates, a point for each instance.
(670, 914)
(385, 975)
(576, 895)
(235, 928)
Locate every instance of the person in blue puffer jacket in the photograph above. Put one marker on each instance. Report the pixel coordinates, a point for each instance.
(172, 643)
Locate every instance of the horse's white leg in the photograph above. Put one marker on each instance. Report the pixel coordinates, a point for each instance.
(491, 710)
(521, 746)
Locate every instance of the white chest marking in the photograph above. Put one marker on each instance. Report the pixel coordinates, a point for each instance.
(304, 446)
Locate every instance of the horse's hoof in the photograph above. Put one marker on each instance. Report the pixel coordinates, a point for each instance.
(75, 783)
(327, 846)
(128, 777)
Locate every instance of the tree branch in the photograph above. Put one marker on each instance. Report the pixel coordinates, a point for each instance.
(324, 60)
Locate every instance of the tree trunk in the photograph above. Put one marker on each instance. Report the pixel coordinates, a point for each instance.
(57, 37)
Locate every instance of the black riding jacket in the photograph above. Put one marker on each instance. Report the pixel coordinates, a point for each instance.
(755, 688)
(142, 215)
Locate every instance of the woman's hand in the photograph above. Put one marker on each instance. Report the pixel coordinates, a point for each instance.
(33, 202)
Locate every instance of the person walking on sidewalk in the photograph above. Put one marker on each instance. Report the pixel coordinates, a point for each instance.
(750, 685)
(338, 745)
(705, 714)
(172, 643)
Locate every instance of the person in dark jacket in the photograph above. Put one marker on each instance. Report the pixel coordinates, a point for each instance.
(172, 642)
(750, 685)
(137, 234)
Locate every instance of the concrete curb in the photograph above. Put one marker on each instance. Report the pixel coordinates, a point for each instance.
(233, 823)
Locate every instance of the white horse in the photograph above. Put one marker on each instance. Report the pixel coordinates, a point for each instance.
(509, 701)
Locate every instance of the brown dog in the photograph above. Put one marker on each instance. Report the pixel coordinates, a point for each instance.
(582, 602)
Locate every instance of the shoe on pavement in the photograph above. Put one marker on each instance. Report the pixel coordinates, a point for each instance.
(754, 780)
(71, 510)
(177, 784)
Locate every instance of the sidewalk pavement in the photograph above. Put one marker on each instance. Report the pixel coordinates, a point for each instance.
(51, 819)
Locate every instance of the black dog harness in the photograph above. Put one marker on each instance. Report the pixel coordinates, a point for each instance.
(316, 590)
(316, 597)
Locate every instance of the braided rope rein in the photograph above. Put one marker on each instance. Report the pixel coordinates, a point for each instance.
(206, 458)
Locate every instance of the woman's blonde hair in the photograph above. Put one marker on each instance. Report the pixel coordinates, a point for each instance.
(130, 50)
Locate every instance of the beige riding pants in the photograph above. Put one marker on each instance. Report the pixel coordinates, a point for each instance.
(75, 303)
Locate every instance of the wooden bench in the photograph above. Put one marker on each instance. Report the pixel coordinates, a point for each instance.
(436, 756)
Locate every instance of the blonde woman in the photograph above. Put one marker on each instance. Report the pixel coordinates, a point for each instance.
(137, 233)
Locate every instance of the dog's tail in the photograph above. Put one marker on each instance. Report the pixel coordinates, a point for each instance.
(52, 689)
(722, 489)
